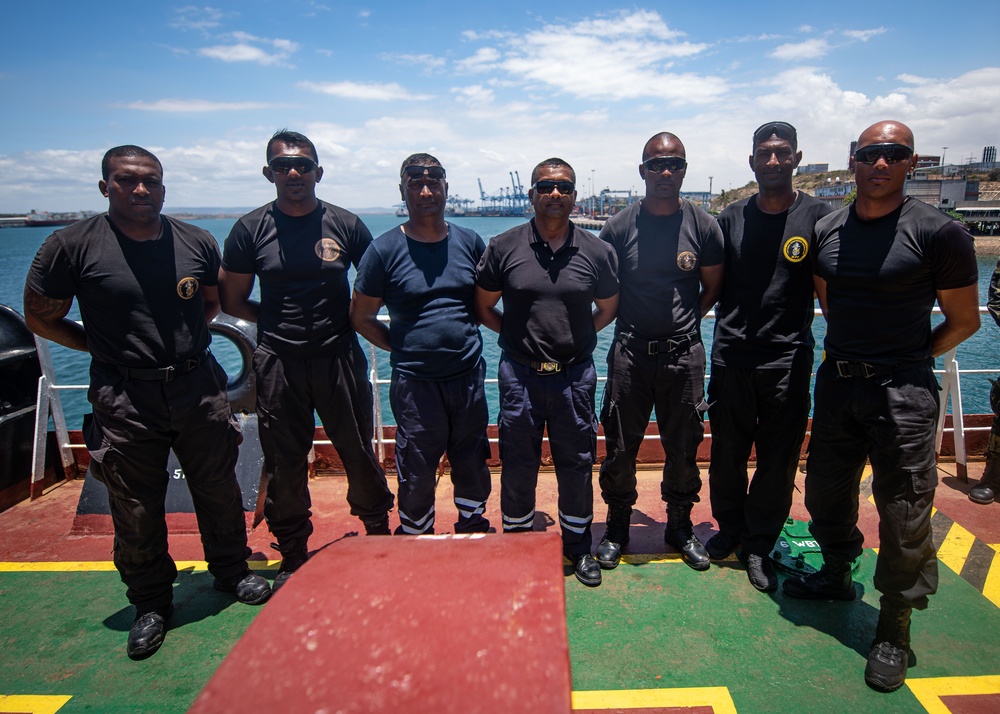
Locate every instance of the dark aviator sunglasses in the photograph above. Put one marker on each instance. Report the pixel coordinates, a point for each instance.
(673, 164)
(284, 164)
(892, 153)
(565, 187)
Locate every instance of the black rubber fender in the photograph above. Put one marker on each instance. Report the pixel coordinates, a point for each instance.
(242, 388)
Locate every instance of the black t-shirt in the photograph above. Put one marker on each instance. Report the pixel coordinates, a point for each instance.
(140, 301)
(429, 291)
(882, 277)
(659, 261)
(765, 311)
(548, 297)
(302, 264)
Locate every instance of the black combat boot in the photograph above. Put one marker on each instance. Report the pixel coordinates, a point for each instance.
(988, 488)
(294, 554)
(831, 582)
(680, 535)
(890, 652)
(609, 552)
(377, 525)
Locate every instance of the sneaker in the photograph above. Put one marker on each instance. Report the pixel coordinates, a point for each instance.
(831, 582)
(721, 545)
(886, 668)
(249, 588)
(587, 570)
(890, 652)
(760, 573)
(147, 632)
(291, 561)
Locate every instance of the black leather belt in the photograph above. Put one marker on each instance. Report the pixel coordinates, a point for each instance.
(659, 347)
(865, 370)
(161, 374)
(539, 367)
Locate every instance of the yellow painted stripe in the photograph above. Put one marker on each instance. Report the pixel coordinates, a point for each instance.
(32, 704)
(716, 697)
(955, 547)
(991, 587)
(106, 565)
(930, 690)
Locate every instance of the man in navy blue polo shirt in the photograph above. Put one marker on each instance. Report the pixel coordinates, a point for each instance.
(424, 272)
(559, 288)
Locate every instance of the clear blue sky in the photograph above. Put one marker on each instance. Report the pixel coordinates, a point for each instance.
(489, 88)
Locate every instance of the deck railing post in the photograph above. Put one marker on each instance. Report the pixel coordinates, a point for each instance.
(951, 386)
(46, 403)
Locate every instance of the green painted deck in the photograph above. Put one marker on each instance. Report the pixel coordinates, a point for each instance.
(656, 636)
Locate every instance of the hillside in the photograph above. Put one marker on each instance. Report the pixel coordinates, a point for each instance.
(804, 182)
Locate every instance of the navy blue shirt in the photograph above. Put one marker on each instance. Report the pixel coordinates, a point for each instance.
(429, 291)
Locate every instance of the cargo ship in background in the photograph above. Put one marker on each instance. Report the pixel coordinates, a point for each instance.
(44, 218)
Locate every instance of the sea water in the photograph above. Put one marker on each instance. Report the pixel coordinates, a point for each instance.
(19, 245)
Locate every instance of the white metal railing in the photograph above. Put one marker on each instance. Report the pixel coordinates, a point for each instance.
(49, 404)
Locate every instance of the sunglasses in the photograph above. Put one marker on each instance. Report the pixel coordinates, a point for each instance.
(892, 153)
(284, 164)
(565, 187)
(673, 164)
(416, 171)
(780, 129)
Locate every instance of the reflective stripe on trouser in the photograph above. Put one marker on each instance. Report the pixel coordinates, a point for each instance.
(889, 420)
(564, 403)
(134, 425)
(766, 409)
(674, 385)
(288, 391)
(433, 418)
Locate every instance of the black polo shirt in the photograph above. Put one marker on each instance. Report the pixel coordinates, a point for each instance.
(548, 298)
(882, 279)
(659, 259)
(765, 312)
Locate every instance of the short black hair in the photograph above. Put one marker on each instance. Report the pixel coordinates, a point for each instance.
(553, 162)
(291, 138)
(780, 129)
(130, 151)
(418, 160)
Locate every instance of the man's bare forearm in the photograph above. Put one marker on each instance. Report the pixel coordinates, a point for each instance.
(46, 317)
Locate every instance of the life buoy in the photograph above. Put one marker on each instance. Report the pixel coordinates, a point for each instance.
(241, 388)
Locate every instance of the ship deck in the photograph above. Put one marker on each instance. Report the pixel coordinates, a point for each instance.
(656, 636)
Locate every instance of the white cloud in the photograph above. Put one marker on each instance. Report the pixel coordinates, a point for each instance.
(193, 105)
(247, 50)
(864, 35)
(364, 90)
(426, 63)
(624, 55)
(807, 49)
(191, 17)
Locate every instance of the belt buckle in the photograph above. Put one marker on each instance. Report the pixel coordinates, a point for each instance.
(168, 373)
(549, 367)
(843, 369)
(653, 348)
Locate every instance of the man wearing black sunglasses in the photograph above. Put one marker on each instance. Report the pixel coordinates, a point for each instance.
(879, 266)
(308, 357)
(670, 265)
(762, 355)
(424, 272)
(549, 273)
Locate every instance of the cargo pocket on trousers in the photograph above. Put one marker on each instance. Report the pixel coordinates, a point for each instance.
(918, 511)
